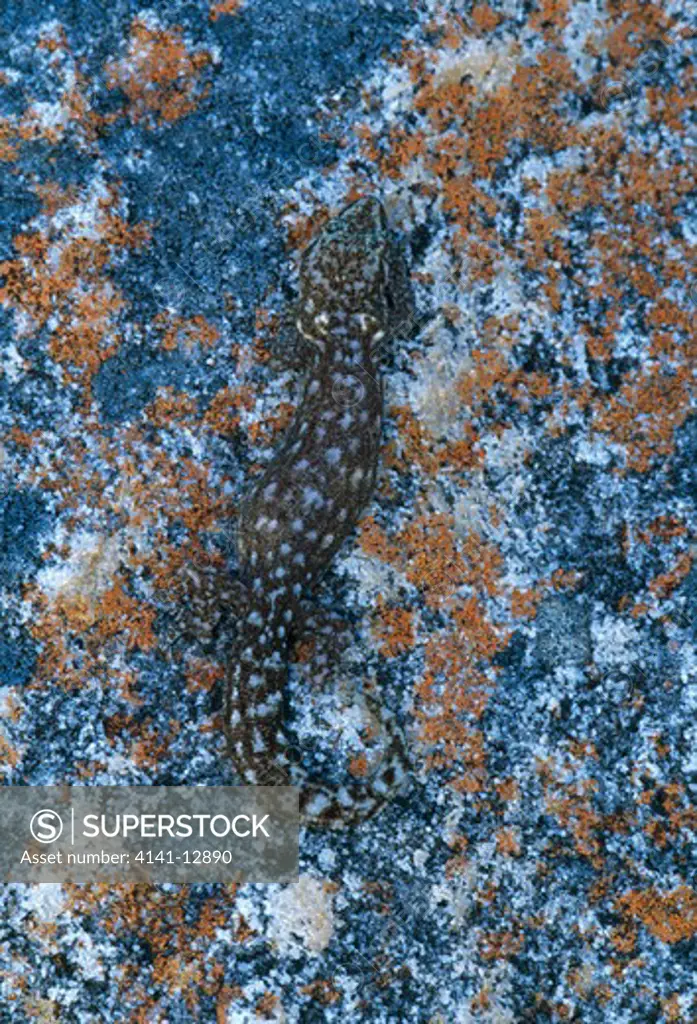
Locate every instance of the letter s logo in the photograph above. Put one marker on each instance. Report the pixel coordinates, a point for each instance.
(46, 825)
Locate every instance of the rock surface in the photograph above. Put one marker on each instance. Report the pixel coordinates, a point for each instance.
(522, 590)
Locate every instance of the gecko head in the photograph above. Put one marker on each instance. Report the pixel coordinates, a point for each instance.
(351, 277)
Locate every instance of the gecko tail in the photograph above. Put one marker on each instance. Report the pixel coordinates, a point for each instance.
(335, 807)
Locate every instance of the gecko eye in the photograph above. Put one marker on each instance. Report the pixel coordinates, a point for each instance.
(367, 323)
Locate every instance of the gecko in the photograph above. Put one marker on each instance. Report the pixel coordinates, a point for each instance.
(353, 293)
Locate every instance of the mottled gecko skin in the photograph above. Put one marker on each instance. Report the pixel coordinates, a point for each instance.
(353, 292)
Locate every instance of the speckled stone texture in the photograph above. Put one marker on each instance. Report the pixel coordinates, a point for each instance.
(522, 592)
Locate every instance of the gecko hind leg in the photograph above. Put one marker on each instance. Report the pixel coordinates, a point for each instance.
(209, 599)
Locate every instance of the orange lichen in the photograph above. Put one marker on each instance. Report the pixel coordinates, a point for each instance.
(550, 18)
(322, 991)
(266, 432)
(624, 938)
(482, 1001)
(457, 681)
(171, 407)
(9, 758)
(485, 19)
(524, 603)
(644, 415)
(657, 396)
(455, 687)
(500, 945)
(176, 940)
(419, 448)
(115, 614)
(70, 117)
(489, 369)
(668, 105)
(266, 1005)
(672, 1010)
(226, 997)
(78, 627)
(563, 579)
(393, 629)
(8, 141)
(663, 528)
(159, 75)
(508, 843)
(670, 917)
(508, 790)
(224, 7)
(63, 276)
(571, 803)
(665, 583)
(223, 414)
(189, 334)
(304, 228)
(428, 552)
(374, 541)
(358, 766)
(678, 817)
